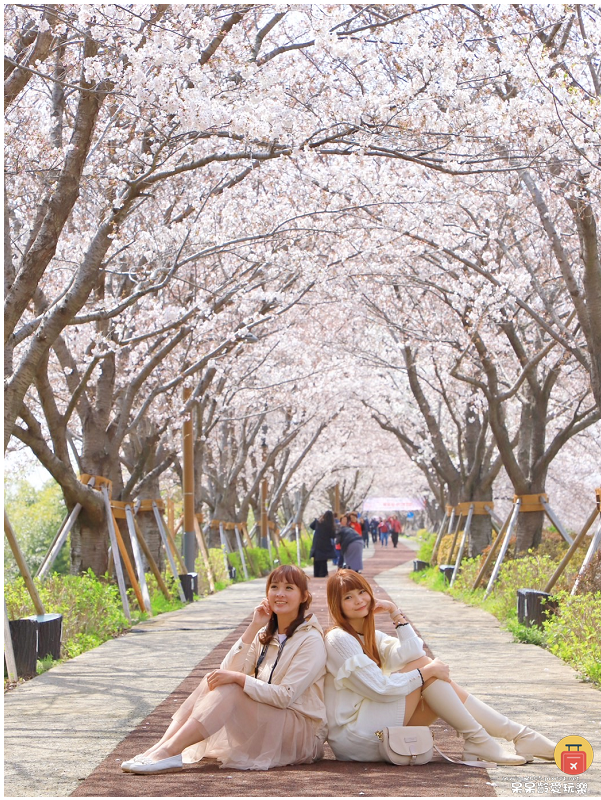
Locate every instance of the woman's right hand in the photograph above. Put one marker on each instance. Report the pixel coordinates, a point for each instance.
(262, 614)
(436, 669)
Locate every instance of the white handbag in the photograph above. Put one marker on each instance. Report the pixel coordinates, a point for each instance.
(412, 745)
(409, 745)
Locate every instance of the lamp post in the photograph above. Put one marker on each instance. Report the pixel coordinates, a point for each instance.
(264, 524)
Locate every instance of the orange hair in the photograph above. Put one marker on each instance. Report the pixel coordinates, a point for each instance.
(338, 585)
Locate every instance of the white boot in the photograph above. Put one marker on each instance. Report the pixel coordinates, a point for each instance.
(442, 699)
(528, 743)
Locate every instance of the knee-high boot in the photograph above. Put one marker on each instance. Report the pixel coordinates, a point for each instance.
(528, 743)
(443, 700)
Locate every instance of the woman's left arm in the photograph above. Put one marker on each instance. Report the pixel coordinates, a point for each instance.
(406, 646)
(307, 665)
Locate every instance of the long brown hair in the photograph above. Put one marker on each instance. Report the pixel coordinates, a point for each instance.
(337, 586)
(287, 573)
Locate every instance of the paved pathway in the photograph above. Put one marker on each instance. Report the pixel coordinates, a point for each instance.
(67, 731)
(525, 682)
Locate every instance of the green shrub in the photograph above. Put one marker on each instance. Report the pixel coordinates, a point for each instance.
(91, 608)
(426, 545)
(574, 632)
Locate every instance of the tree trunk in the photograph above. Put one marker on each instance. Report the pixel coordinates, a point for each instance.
(529, 530)
(480, 534)
(89, 546)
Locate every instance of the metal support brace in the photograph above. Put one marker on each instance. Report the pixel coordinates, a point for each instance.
(298, 552)
(466, 531)
(139, 561)
(224, 549)
(61, 536)
(9, 653)
(594, 546)
(553, 517)
(504, 546)
(241, 551)
(165, 541)
(116, 555)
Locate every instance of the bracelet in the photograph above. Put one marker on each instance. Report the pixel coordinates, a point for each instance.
(400, 625)
(420, 675)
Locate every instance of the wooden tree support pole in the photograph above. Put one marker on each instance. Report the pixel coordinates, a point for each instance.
(205, 555)
(165, 538)
(466, 532)
(9, 653)
(123, 550)
(241, 551)
(150, 558)
(568, 556)
(131, 573)
(23, 568)
(171, 516)
(456, 534)
(115, 551)
(503, 551)
(439, 537)
(135, 546)
(594, 546)
(246, 535)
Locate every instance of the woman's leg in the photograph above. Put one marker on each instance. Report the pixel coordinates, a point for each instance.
(417, 711)
(191, 732)
(528, 743)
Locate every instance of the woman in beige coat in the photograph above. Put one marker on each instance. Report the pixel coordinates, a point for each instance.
(265, 706)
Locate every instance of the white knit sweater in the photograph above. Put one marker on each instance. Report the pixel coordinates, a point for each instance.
(362, 698)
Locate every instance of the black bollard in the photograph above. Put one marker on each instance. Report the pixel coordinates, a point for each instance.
(533, 607)
(50, 628)
(447, 571)
(24, 635)
(419, 565)
(189, 582)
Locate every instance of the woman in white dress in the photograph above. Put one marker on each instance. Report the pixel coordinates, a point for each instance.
(375, 681)
(264, 707)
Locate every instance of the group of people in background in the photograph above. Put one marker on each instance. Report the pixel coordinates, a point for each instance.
(381, 529)
(343, 540)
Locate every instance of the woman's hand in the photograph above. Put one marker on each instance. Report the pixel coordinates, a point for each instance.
(389, 607)
(262, 614)
(220, 677)
(436, 669)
